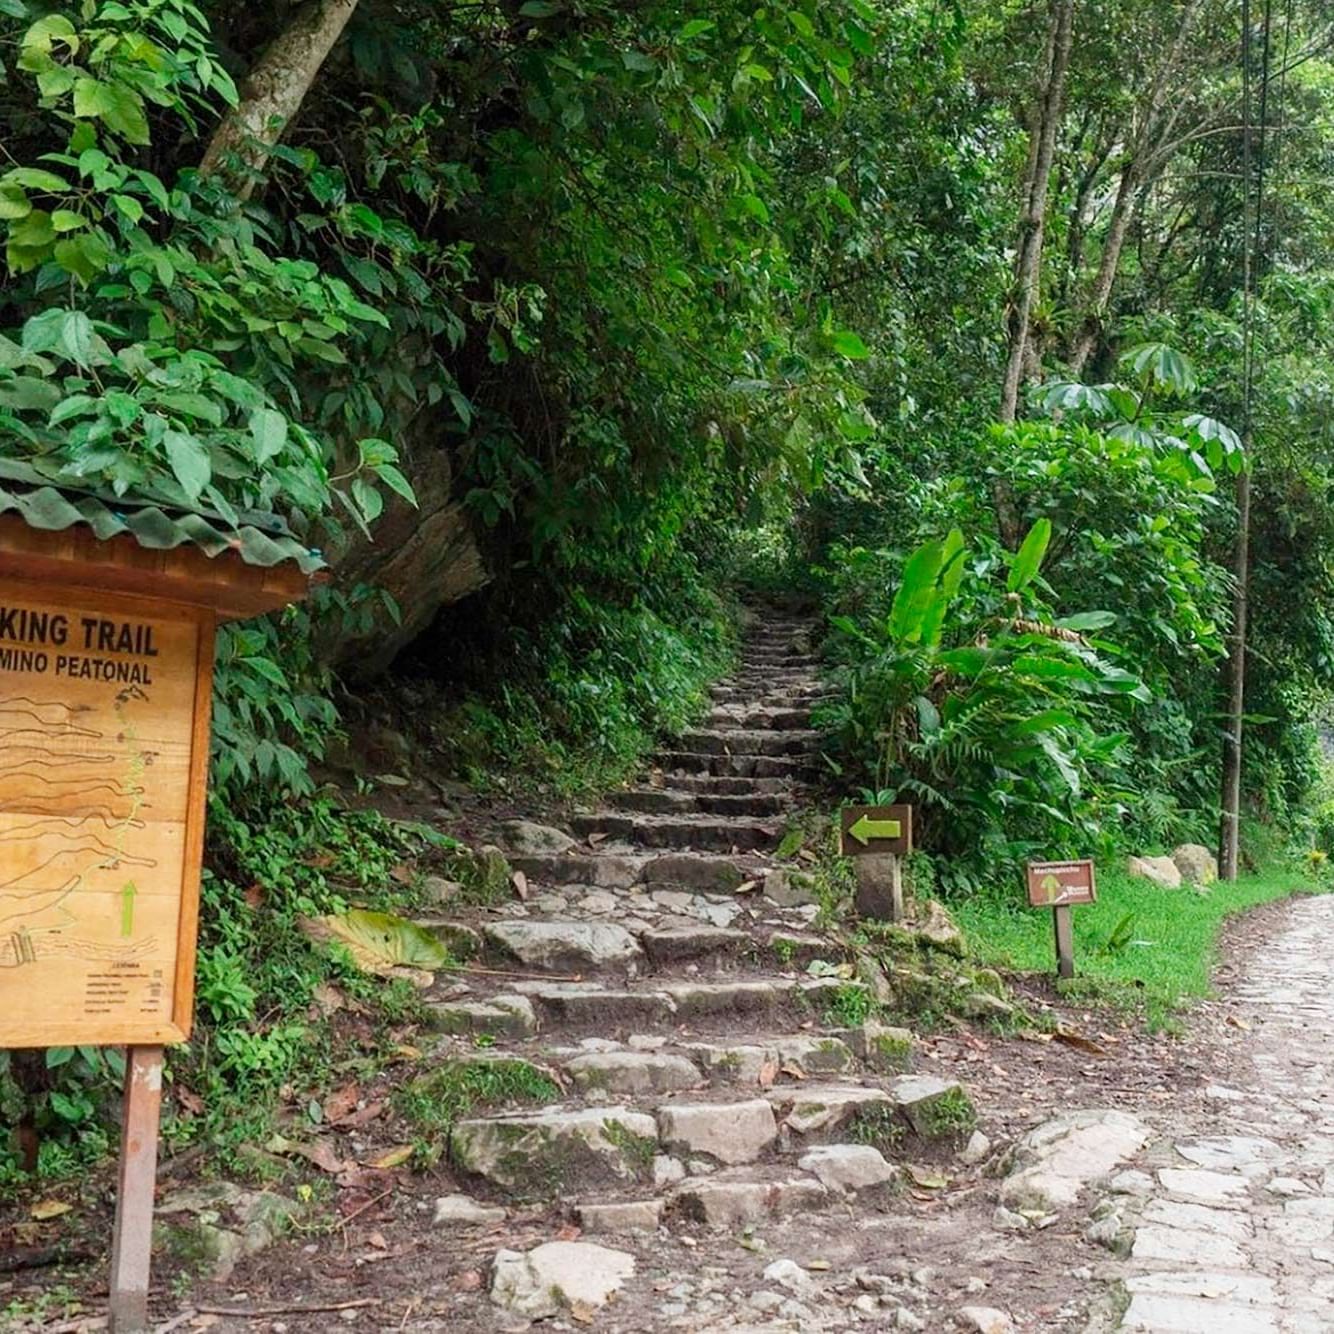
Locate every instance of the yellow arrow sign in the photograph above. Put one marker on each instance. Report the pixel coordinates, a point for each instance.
(864, 829)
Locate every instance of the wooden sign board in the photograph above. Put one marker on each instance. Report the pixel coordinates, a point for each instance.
(104, 718)
(1060, 884)
(870, 831)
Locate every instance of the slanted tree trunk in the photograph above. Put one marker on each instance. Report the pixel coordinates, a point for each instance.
(1032, 222)
(274, 90)
(1135, 173)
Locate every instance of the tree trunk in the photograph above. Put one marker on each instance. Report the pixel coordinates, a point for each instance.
(1229, 841)
(272, 94)
(1134, 174)
(1042, 148)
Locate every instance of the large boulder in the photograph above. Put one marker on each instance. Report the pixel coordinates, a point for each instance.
(1161, 870)
(1198, 866)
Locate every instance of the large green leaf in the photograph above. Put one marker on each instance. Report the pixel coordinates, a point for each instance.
(380, 942)
(947, 585)
(1028, 559)
(917, 588)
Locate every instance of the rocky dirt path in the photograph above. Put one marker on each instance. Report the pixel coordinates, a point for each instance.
(1230, 1219)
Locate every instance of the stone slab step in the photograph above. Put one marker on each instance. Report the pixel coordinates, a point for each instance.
(673, 945)
(773, 697)
(665, 801)
(557, 1150)
(751, 741)
(507, 1016)
(699, 763)
(739, 1198)
(601, 870)
(759, 717)
(562, 946)
(714, 832)
(723, 785)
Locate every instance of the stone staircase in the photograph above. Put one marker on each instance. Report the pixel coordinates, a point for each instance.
(657, 974)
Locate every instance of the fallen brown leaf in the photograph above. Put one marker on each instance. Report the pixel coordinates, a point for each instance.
(569, 1232)
(768, 1073)
(394, 1157)
(320, 1152)
(520, 883)
(44, 1210)
(341, 1103)
(363, 1116)
(192, 1102)
(468, 1281)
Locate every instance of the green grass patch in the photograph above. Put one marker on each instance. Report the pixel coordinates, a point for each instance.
(1139, 946)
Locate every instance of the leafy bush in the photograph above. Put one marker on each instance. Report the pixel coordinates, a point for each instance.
(981, 705)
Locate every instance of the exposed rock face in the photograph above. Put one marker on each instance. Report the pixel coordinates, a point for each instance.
(1198, 866)
(1161, 870)
(424, 557)
(736, 1132)
(1055, 1161)
(558, 1276)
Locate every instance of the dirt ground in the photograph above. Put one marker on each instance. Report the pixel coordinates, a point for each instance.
(369, 1256)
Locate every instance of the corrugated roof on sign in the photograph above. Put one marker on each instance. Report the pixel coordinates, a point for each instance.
(259, 539)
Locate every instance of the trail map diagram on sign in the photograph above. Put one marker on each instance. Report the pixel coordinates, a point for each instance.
(95, 744)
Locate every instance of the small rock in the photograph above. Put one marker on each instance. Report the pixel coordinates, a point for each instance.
(975, 1285)
(789, 889)
(789, 1274)
(462, 1209)
(866, 1304)
(1161, 870)
(623, 1216)
(986, 1320)
(765, 1301)
(849, 1167)
(1131, 1182)
(905, 1319)
(667, 1171)
(528, 839)
(1006, 1220)
(1198, 866)
(975, 1150)
(1110, 1233)
(541, 1282)
(937, 928)
(924, 1277)
(881, 1284)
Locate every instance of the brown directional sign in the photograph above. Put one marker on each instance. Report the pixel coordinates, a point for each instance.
(868, 831)
(1059, 884)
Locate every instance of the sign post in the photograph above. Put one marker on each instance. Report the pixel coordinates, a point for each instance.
(1058, 885)
(876, 837)
(107, 619)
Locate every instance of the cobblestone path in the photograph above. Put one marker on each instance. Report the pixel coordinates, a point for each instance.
(1234, 1230)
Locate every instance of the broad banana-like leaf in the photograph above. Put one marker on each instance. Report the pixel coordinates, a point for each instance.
(379, 942)
(1028, 559)
(947, 585)
(917, 589)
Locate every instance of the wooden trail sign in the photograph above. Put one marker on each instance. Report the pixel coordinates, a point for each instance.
(877, 837)
(107, 619)
(875, 831)
(1059, 885)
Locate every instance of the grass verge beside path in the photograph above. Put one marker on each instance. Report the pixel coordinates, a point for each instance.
(1139, 946)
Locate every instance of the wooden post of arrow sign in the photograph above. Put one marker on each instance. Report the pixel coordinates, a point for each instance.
(1058, 885)
(876, 837)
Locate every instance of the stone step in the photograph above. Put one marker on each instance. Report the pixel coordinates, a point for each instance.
(759, 717)
(753, 741)
(700, 763)
(563, 1149)
(665, 801)
(713, 832)
(721, 785)
(781, 657)
(782, 697)
(615, 1012)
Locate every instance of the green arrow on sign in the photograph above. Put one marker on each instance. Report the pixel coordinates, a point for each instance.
(1051, 884)
(127, 908)
(865, 829)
